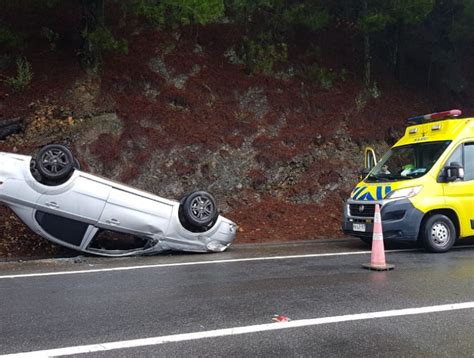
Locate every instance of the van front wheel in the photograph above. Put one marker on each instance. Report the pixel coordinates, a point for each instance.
(439, 233)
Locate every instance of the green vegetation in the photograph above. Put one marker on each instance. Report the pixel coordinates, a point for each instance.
(388, 20)
(176, 12)
(51, 36)
(261, 57)
(10, 39)
(373, 92)
(323, 76)
(23, 77)
(269, 27)
(167, 13)
(103, 40)
(427, 37)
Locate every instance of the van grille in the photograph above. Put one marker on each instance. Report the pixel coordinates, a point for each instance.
(363, 210)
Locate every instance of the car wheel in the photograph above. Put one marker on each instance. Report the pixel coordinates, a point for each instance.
(54, 162)
(199, 209)
(34, 171)
(77, 164)
(438, 234)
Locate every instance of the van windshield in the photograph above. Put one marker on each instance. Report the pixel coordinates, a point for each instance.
(407, 162)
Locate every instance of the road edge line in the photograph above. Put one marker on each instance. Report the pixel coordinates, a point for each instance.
(152, 341)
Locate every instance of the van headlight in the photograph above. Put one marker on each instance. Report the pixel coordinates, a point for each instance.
(404, 193)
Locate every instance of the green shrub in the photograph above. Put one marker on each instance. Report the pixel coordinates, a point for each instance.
(261, 57)
(24, 75)
(102, 39)
(309, 15)
(9, 38)
(173, 13)
(372, 92)
(51, 36)
(325, 77)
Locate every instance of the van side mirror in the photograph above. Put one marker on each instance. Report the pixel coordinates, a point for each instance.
(370, 159)
(363, 173)
(454, 171)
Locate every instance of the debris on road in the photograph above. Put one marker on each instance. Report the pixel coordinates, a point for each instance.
(280, 318)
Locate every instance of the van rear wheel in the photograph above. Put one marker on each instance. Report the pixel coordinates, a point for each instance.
(438, 233)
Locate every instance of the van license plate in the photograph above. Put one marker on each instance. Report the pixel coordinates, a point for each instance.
(358, 227)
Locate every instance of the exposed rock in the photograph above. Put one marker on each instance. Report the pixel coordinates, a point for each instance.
(150, 91)
(97, 132)
(176, 172)
(233, 58)
(253, 101)
(157, 65)
(84, 95)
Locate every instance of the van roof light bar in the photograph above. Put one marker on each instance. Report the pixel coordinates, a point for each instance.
(437, 115)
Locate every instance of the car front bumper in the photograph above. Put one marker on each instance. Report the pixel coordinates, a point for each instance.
(401, 221)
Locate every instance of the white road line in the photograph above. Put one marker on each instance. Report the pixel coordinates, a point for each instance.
(238, 330)
(207, 262)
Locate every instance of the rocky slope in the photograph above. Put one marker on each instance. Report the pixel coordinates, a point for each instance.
(178, 113)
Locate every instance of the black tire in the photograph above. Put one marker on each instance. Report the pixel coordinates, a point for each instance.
(34, 171)
(77, 164)
(438, 233)
(199, 209)
(54, 162)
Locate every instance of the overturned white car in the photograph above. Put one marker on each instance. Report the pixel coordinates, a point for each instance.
(84, 212)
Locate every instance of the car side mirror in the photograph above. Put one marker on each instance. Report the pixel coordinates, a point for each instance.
(454, 171)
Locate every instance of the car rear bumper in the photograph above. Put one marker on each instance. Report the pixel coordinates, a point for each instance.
(401, 221)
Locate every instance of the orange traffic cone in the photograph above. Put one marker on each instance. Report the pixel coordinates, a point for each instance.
(377, 257)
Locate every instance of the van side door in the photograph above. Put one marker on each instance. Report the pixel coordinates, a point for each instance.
(460, 194)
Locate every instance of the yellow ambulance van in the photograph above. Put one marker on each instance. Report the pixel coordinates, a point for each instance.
(424, 185)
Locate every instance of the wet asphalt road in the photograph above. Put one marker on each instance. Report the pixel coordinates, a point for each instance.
(46, 312)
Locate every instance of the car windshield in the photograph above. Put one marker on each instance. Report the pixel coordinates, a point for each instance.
(407, 162)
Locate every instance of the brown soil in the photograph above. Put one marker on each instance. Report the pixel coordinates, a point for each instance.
(313, 136)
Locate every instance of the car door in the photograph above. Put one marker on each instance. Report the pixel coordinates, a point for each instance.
(74, 208)
(134, 212)
(460, 194)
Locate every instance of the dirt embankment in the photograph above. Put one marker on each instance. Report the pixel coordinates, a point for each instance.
(280, 153)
